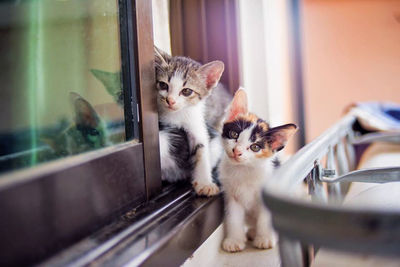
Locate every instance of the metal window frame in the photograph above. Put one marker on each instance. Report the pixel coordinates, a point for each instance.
(49, 207)
(166, 231)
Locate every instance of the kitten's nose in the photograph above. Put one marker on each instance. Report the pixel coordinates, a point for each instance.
(170, 101)
(236, 152)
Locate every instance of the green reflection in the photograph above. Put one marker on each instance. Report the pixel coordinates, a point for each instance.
(33, 73)
(61, 80)
(112, 83)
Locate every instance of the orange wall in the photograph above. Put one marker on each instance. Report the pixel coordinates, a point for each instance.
(351, 52)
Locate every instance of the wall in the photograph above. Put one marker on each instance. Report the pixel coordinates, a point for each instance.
(351, 53)
(161, 33)
(265, 60)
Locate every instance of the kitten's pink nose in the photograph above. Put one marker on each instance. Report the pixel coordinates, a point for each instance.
(170, 101)
(236, 152)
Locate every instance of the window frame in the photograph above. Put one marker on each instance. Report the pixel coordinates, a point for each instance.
(71, 198)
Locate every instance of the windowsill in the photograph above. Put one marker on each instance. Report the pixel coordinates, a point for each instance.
(210, 253)
(166, 231)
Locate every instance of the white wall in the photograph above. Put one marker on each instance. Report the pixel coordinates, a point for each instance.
(161, 32)
(264, 54)
(265, 60)
(253, 56)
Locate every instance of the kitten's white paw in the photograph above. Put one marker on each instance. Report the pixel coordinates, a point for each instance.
(264, 242)
(233, 245)
(209, 189)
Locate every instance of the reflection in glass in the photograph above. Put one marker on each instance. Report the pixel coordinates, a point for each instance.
(61, 90)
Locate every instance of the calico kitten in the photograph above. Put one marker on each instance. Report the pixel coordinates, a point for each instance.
(88, 131)
(250, 146)
(184, 87)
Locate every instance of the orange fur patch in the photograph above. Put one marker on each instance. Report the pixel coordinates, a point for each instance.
(248, 117)
(264, 126)
(265, 153)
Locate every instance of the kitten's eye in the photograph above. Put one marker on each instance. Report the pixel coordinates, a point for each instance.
(94, 132)
(255, 147)
(233, 134)
(186, 91)
(163, 86)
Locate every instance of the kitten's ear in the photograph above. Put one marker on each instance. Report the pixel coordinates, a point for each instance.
(161, 57)
(238, 105)
(212, 73)
(112, 83)
(278, 136)
(85, 115)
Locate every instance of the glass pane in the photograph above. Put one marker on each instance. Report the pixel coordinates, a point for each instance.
(61, 85)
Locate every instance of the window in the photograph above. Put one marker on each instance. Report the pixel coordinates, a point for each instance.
(78, 130)
(62, 89)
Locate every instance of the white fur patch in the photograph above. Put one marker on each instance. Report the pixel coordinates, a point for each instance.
(242, 184)
(167, 161)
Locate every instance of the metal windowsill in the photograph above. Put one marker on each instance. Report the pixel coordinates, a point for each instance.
(26, 175)
(166, 231)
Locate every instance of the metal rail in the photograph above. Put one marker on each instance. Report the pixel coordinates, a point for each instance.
(323, 221)
(293, 172)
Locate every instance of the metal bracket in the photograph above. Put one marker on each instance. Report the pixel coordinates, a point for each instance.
(327, 173)
(315, 186)
(391, 137)
(375, 175)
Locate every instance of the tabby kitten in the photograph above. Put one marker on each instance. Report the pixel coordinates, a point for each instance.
(250, 157)
(185, 106)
